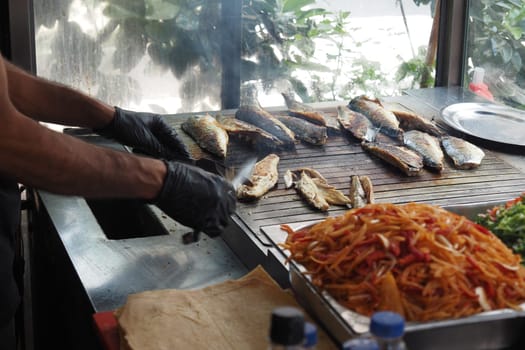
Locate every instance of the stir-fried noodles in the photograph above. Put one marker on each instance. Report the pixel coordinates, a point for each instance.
(417, 259)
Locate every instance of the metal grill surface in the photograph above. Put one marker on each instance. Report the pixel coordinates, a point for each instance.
(342, 156)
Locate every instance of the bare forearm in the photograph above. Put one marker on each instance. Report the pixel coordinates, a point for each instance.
(62, 164)
(50, 102)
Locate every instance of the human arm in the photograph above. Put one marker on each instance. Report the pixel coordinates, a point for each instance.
(47, 101)
(50, 102)
(45, 159)
(42, 158)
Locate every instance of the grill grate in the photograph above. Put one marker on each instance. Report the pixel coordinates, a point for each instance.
(342, 156)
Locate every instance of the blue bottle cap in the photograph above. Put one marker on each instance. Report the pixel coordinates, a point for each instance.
(387, 324)
(360, 344)
(310, 334)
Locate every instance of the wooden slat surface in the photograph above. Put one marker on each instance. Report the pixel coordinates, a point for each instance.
(342, 156)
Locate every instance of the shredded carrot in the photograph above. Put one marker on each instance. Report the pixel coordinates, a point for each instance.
(437, 259)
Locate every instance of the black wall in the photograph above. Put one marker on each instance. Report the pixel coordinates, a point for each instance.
(5, 44)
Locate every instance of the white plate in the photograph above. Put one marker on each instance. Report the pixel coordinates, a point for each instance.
(487, 121)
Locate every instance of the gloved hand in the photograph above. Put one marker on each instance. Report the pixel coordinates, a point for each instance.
(196, 198)
(147, 133)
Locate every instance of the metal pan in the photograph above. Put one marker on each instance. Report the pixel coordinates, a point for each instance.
(488, 121)
(499, 329)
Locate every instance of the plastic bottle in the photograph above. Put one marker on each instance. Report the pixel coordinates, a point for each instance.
(388, 329)
(287, 329)
(310, 336)
(361, 343)
(477, 85)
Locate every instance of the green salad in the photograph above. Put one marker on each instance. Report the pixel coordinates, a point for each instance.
(508, 223)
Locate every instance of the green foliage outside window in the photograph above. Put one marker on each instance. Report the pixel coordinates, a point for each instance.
(497, 43)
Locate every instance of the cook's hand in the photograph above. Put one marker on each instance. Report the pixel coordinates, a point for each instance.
(196, 198)
(146, 132)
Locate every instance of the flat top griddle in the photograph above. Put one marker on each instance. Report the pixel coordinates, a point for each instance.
(342, 156)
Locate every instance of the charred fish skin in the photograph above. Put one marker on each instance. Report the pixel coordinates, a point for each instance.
(356, 123)
(257, 137)
(427, 146)
(303, 111)
(208, 133)
(464, 154)
(263, 178)
(385, 120)
(304, 130)
(403, 158)
(250, 111)
(412, 121)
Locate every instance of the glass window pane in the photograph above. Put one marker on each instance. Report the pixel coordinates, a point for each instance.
(335, 50)
(138, 54)
(496, 44)
(165, 55)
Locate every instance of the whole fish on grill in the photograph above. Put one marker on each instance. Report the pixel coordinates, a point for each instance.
(464, 154)
(413, 121)
(250, 111)
(361, 191)
(385, 120)
(303, 111)
(264, 177)
(257, 137)
(208, 133)
(401, 157)
(356, 123)
(314, 188)
(304, 130)
(391, 140)
(427, 146)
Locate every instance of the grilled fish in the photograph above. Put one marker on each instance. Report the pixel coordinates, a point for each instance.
(412, 121)
(250, 111)
(309, 190)
(356, 123)
(331, 194)
(263, 178)
(464, 154)
(406, 160)
(208, 133)
(291, 176)
(427, 146)
(257, 137)
(314, 188)
(304, 130)
(303, 111)
(361, 191)
(378, 115)
(391, 140)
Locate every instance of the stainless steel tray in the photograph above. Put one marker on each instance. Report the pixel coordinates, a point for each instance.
(498, 329)
(488, 121)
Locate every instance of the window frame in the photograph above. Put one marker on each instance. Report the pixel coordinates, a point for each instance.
(450, 57)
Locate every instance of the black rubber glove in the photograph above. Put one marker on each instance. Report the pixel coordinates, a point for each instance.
(196, 198)
(147, 133)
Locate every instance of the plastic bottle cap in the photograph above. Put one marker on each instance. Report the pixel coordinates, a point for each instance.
(360, 344)
(287, 326)
(478, 75)
(310, 334)
(386, 324)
